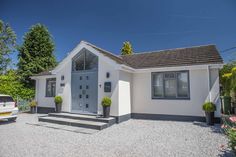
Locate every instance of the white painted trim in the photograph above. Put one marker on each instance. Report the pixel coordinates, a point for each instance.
(77, 49)
(191, 67)
(36, 89)
(42, 76)
(209, 82)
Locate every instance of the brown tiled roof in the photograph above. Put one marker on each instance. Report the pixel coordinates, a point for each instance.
(166, 58)
(175, 57)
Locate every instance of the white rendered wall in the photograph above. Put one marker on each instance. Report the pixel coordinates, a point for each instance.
(199, 91)
(103, 68)
(65, 91)
(214, 95)
(125, 86)
(104, 65)
(41, 98)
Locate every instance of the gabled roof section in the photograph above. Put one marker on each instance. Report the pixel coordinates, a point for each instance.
(198, 55)
(110, 55)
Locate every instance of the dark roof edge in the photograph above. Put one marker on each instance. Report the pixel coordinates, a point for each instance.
(94, 46)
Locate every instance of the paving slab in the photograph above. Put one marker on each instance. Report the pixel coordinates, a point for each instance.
(64, 127)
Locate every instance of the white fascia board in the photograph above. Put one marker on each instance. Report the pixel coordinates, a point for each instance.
(68, 58)
(126, 68)
(41, 77)
(103, 57)
(191, 67)
(216, 66)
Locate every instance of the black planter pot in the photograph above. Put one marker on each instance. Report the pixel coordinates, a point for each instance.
(209, 118)
(58, 108)
(106, 111)
(33, 109)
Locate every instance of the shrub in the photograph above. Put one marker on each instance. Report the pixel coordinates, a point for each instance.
(228, 78)
(209, 107)
(33, 103)
(58, 100)
(23, 105)
(232, 138)
(229, 127)
(106, 101)
(24, 108)
(10, 84)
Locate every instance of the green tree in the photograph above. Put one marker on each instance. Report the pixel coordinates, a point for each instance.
(127, 48)
(227, 77)
(11, 85)
(7, 45)
(36, 53)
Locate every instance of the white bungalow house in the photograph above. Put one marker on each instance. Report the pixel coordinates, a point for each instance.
(168, 84)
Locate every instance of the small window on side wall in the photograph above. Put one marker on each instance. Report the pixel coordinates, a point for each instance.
(170, 85)
(50, 87)
(62, 77)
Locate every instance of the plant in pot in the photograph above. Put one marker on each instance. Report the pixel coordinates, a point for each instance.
(106, 104)
(209, 109)
(33, 105)
(58, 102)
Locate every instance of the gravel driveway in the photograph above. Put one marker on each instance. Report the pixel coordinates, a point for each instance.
(133, 138)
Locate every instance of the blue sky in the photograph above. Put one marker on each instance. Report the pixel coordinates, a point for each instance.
(148, 25)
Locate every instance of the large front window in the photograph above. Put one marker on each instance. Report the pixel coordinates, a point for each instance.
(50, 87)
(170, 85)
(85, 60)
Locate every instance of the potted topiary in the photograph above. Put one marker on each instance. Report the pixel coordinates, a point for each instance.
(58, 102)
(209, 109)
(106, 103)
(33, 105)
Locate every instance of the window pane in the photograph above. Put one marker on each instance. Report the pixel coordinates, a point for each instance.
(91, 61)
(158, 85)
(53, 86)
(182, 84)
(170, 88)
(79, 62)
(170, 85)
(50, 87)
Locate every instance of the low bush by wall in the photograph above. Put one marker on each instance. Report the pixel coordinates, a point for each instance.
(23, 105)
(229, 127)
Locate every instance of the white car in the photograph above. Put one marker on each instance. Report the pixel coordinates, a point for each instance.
(8, 108)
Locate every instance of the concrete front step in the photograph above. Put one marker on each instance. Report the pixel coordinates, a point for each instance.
(75, 122)
(110, 120)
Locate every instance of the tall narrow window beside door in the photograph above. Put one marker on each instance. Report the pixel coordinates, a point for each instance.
(50, 87)
(170, 85)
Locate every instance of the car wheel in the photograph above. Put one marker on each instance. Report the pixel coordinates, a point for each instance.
(12, 119)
